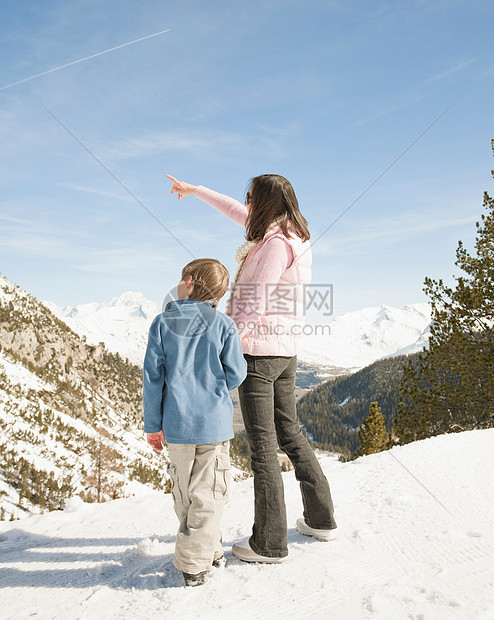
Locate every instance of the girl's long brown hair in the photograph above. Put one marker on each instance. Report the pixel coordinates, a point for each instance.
(272, 197)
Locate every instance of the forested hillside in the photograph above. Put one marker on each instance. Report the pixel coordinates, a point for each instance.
(331, 413)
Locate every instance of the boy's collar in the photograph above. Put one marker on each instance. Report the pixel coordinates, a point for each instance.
(187, 301)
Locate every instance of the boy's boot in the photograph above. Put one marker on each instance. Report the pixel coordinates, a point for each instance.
(219, 562)
(195, 580)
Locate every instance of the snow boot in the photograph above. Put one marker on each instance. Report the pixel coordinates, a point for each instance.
(243, 551)
(306, 530)
(195, 580)
(219, 562)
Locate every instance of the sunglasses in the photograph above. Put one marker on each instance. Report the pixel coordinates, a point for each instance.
(248, 198)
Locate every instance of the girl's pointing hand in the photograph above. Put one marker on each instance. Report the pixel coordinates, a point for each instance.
(181, 188)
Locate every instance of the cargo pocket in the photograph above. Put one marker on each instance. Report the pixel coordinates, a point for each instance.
(171, 470)
(221, 476)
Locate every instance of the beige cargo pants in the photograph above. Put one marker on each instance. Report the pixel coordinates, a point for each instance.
(200, 475)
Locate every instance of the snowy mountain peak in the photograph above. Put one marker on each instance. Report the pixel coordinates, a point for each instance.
(419, 308)
(5, 287)
(359, 338)
(122, 323)
(384, 314)
(129, 298)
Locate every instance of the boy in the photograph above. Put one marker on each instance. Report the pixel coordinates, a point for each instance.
(193, 359)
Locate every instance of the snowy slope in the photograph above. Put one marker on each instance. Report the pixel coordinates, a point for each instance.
(62, 411)
(411, 545)
(356, 340)
(421, 343)
(54, 447)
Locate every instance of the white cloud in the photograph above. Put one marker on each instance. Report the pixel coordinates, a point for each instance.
(128, 261)
(203, 144)
(418, 92)
(77, 249)
(447, 72)
(91, 190)
(403, 227)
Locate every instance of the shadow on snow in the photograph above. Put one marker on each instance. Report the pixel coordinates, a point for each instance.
(125, 569)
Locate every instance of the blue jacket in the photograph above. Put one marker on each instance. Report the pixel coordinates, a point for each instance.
(193, 358)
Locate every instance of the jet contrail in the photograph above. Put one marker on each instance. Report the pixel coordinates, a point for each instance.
(75, 62)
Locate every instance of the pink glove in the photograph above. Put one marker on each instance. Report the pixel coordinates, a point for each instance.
(156, 440)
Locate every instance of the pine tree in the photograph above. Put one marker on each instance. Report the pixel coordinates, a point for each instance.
(452, 387)
(100, 483)
(372, 433)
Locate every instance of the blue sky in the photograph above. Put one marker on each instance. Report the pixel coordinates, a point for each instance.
(326, 93)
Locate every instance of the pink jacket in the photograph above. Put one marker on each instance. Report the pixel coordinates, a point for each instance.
(267, 302)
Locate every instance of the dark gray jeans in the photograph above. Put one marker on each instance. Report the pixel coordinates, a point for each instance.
(267, 400)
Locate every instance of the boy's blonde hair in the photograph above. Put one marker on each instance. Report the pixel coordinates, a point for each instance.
(210, 279)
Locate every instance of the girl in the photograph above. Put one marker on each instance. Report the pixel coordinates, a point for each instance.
(266, 303)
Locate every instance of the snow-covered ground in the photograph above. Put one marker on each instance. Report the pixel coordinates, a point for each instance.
(415, 541)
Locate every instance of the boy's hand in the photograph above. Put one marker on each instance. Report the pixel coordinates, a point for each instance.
(156, 440)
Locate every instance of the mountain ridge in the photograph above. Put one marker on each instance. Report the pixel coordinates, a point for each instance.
(357, 338)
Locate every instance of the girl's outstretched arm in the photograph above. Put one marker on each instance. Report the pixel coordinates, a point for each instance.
(226, 205)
